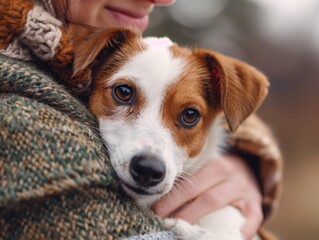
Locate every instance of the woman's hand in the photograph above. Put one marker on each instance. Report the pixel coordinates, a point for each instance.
(227, 180)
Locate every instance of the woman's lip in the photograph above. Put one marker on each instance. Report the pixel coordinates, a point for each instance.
(127, 12)
(128, 18)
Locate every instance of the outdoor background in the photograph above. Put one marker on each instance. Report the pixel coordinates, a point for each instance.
(281, 38)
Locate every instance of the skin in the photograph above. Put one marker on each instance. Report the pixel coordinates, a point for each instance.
(223, 181)
(111, 13)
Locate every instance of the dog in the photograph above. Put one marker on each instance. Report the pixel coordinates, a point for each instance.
(160, 109)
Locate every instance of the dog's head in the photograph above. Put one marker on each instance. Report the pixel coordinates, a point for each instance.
(156, 101)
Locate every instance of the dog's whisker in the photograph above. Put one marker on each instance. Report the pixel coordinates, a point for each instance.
(189, 198)
(191, 179)
(186, 174)
(183, 178)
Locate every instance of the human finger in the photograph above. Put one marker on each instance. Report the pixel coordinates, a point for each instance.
(253, 214)
(212, 200)
(188, 189)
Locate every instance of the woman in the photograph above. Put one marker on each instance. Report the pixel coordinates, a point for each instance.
(247, 178)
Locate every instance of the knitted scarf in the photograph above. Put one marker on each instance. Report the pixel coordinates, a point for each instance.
(29, 30)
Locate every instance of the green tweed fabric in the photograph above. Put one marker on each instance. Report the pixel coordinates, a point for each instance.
(55, 178)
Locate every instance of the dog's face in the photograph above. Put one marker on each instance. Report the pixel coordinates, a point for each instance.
(156, 102)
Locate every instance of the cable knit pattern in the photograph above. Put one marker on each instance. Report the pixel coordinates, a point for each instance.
(41, 33)
(15, 50)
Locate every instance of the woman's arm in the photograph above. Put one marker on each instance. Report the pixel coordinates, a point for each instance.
(248, 179)
(56, 181)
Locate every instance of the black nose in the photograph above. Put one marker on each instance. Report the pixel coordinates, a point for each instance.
(146, 170)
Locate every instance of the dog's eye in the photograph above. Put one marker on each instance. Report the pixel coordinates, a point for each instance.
(123, 94)
(189, 117)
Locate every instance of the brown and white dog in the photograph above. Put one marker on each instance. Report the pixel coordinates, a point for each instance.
(160, 109)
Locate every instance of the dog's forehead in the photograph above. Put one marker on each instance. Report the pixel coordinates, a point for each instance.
(160, 43)
(153, 68)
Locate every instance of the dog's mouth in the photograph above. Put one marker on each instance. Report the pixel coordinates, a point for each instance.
(140, 191)
(136, 189)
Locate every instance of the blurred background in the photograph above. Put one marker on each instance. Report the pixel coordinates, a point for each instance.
(281, 38)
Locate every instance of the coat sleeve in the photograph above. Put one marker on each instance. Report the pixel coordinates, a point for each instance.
(56, 181)
(254, 142)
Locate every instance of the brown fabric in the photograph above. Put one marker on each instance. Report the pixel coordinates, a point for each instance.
(255, 139)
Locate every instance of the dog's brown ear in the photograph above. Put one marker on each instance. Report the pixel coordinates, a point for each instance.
(241, 87)
(92, 44)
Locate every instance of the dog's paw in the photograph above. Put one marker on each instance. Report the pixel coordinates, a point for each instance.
(186, 231)
(170, 223)
(229, 234)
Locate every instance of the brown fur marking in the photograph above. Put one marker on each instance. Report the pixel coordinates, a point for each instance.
(190, 90)
(106, 52)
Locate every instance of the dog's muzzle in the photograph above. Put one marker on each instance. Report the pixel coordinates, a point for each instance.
(147, 170)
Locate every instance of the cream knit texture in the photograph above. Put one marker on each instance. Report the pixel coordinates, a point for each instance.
(41, 33)
(15, 50)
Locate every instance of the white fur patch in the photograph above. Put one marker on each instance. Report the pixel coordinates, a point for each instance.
(155, 42)
(214, 144)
